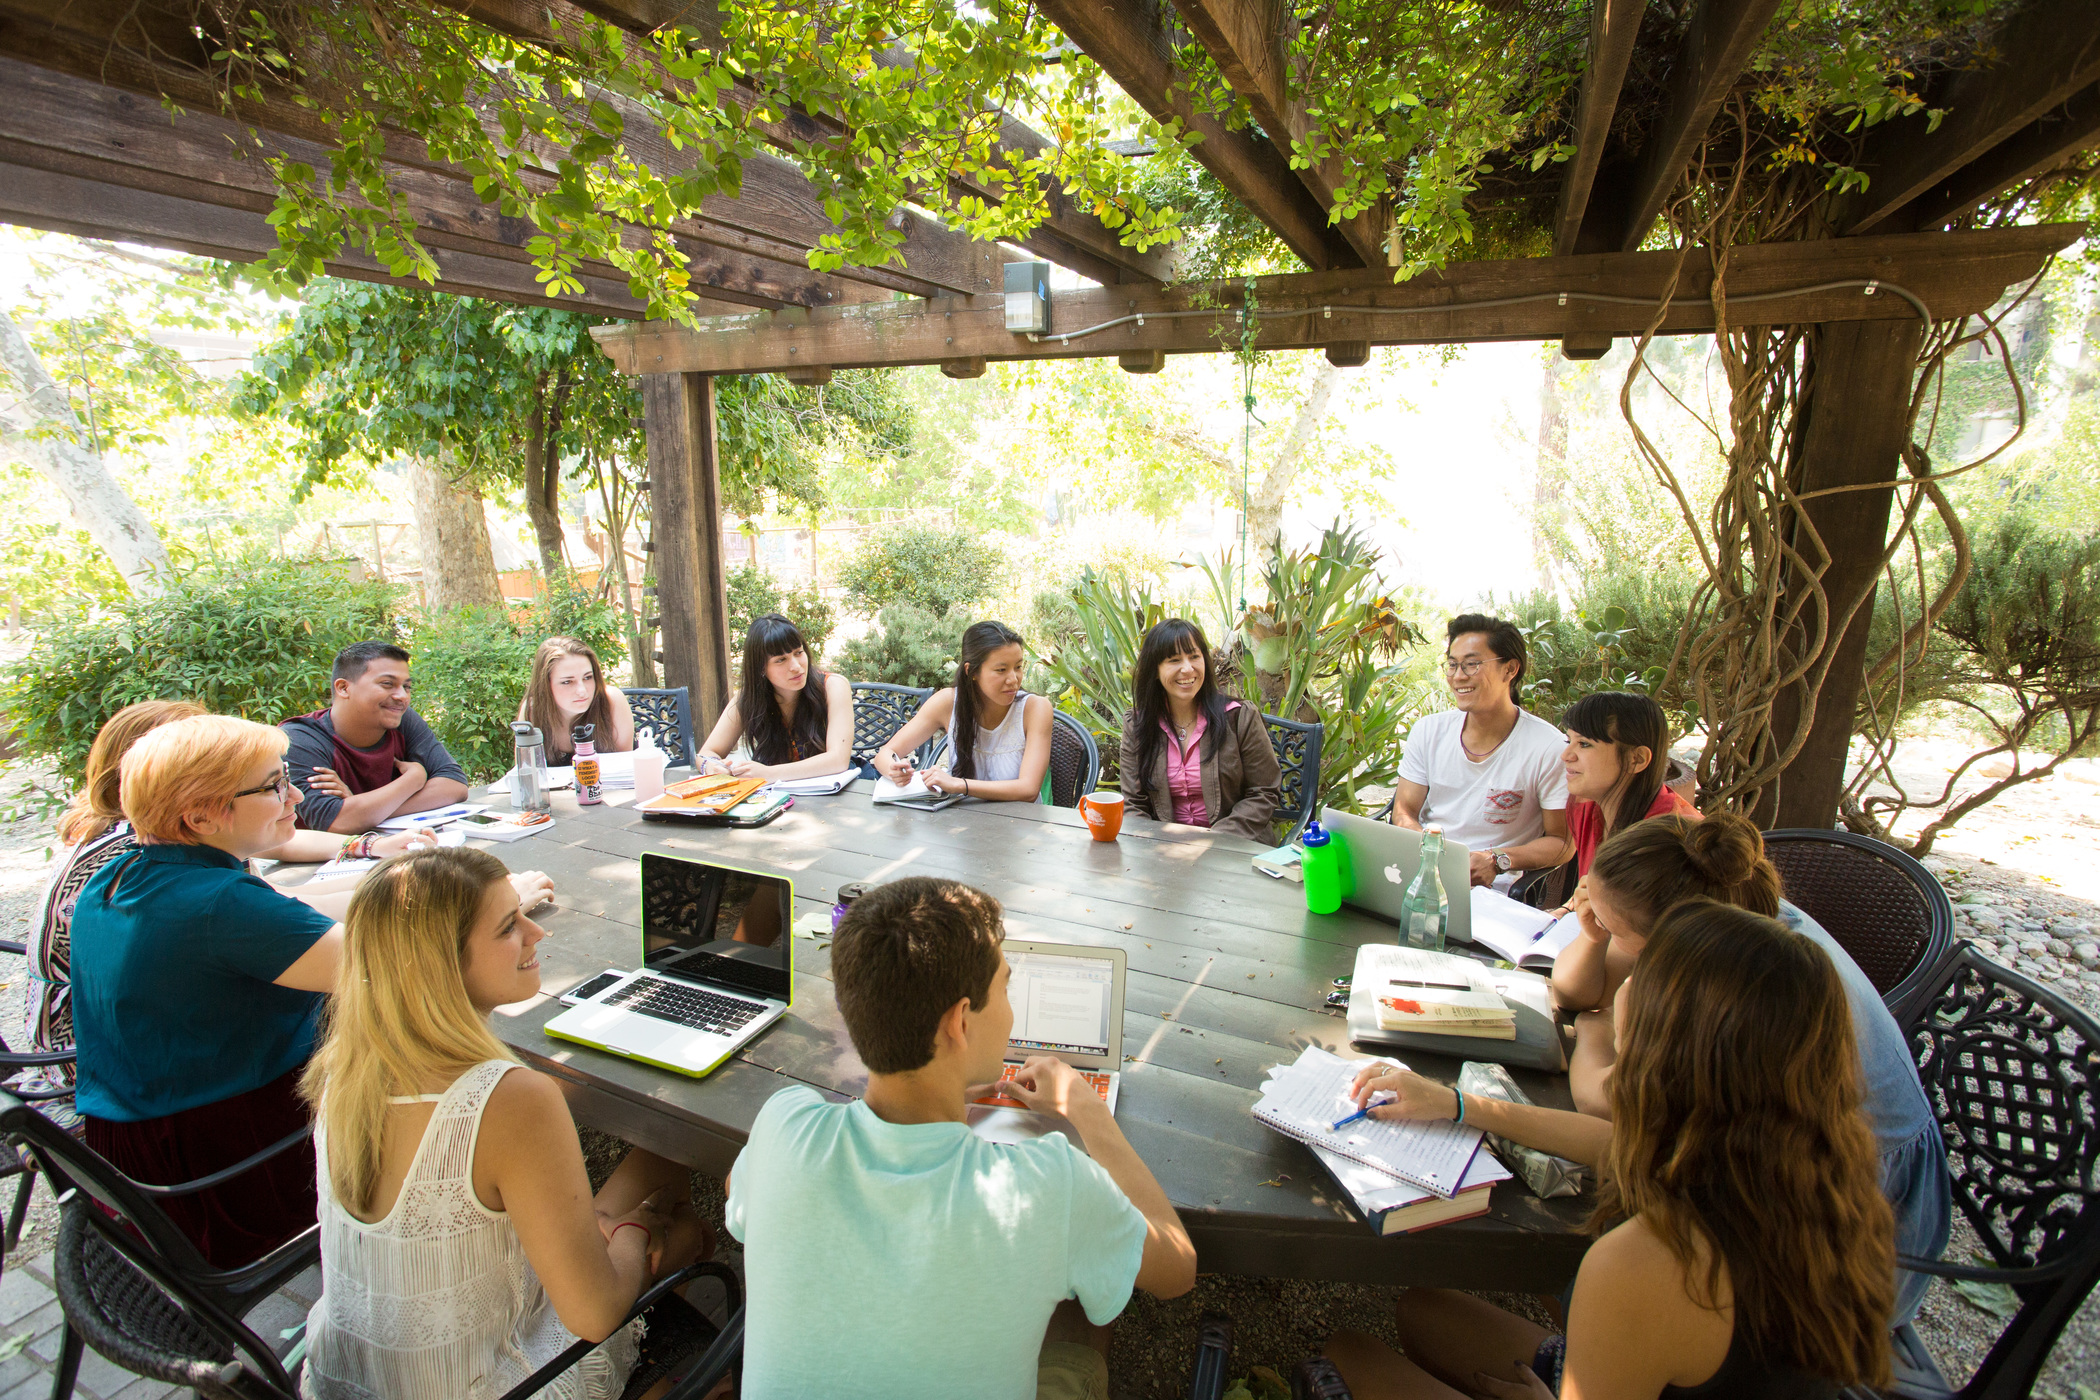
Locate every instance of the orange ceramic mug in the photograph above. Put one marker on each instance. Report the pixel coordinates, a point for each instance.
(1104, 814)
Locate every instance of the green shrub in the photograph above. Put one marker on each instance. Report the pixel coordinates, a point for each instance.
(934, 567)
(909, 646)
(471, 668)
(568, 609)
(253, 638)
(753, 591)
(1619, 636)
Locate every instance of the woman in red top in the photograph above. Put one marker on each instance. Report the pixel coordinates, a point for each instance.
(1617, 757)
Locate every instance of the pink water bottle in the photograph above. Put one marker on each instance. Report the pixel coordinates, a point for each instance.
(589, 792)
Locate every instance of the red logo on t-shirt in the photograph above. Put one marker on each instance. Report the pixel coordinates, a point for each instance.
(1502, 808)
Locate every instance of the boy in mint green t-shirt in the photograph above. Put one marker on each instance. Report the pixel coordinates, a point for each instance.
(889, 1251)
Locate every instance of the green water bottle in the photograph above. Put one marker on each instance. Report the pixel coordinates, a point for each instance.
(1322, 868)
(1424, 912)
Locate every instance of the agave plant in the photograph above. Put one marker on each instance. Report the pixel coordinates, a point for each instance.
(1090, 660)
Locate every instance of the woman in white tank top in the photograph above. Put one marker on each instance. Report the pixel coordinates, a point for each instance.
(998, 734)
(461, 1248)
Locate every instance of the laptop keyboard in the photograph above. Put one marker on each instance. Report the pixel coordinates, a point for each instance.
(684, 1005)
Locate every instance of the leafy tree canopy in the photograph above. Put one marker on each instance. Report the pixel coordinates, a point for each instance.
(368, 373)
(1443, 118)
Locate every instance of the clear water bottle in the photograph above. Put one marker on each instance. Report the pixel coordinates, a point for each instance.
(528, 773)
(1424, 911)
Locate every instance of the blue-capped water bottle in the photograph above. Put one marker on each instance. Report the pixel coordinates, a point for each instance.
(1322, 868)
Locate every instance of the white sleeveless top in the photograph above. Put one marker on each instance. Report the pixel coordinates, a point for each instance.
(999, 751)
(436, 1300)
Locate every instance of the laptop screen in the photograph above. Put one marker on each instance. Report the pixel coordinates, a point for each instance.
(715, 923)
(1061, 1004)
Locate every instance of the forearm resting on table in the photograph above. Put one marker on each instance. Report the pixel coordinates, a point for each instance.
(1575, 1136)
(1168, 1268)
(1542, 854)
(362, 811)
(435, 793)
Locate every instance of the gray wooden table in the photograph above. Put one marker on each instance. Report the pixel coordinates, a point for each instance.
(1228, 973)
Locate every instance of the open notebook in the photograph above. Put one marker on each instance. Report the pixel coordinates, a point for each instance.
(1304, 1100)
(1517, 933)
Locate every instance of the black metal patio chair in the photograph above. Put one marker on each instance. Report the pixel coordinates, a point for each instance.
(1881, 906)
(1297, 747)
(2010, 1068)
(1075, 763)
(879, 711)
(20, 1164)
(133, 1286)
(667, 717)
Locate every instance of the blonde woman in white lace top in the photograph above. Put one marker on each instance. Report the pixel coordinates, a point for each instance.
(461, 1247)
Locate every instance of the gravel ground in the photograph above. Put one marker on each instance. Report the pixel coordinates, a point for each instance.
(2019, 910)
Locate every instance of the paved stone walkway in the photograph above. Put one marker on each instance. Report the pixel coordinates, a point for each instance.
(29, 1312)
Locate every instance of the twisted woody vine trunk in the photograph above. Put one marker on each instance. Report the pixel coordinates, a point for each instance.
(1756, 646)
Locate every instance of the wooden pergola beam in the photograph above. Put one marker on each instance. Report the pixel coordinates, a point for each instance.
(31, 197)
(1245, 38)
(2035, 149)
(128, 141)
(2046, 53)
(1525, 299)
(1614, 25)
(1128, 39)
(1716, 49)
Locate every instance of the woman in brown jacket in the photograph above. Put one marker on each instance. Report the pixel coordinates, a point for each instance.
(1190, 754)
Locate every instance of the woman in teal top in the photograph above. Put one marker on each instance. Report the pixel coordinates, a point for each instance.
(197, 987)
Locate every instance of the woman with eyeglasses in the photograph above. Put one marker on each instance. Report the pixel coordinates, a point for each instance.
(197, 987)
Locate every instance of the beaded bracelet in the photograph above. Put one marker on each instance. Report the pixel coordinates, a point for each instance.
(358, 847)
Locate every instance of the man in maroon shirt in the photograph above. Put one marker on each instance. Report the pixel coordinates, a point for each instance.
(368, 756)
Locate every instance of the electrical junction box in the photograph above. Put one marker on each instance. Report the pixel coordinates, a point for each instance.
(1028, 297)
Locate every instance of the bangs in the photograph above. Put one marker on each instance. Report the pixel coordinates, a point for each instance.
(773, 635)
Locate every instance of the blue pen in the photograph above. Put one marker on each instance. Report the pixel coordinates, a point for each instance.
(1364, 1112)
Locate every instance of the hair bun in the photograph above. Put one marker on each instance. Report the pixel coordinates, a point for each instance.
(1724, 848)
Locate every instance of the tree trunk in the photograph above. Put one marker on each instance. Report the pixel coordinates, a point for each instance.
(1549, 469)
(543, 474)
(452, 539)
(1265, 501)
(50, 441)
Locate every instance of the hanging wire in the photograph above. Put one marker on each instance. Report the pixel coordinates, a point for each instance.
(1246, 357)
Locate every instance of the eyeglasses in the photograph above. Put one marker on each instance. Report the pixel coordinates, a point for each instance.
(1464, 668)
(278, 787)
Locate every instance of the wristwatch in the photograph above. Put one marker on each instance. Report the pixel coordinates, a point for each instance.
(1502, 862)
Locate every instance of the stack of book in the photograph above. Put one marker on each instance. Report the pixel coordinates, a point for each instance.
(1437, 994)
(1402, 1177)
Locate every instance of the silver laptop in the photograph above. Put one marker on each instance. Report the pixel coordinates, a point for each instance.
(717, 969)
(1385, 858)
(1068, 1002)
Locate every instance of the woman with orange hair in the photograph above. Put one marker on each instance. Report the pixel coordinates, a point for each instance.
(197, 987)
(1745, 1247)
(94, 832)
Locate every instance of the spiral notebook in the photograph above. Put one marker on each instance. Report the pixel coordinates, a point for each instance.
(1304, 1100)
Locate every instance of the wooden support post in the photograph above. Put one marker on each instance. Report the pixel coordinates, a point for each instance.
(1142, 361)
(1348, 354)
(685, 507)
(968, 367)
(815, 374)
(1858, 419)
(1583, 345)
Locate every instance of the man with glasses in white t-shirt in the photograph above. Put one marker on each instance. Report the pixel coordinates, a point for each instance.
(1487, 771)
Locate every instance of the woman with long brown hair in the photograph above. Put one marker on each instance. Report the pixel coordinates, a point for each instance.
(1745, 1248)
(569, 688)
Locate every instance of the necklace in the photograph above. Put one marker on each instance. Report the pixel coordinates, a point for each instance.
(1485, 753)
